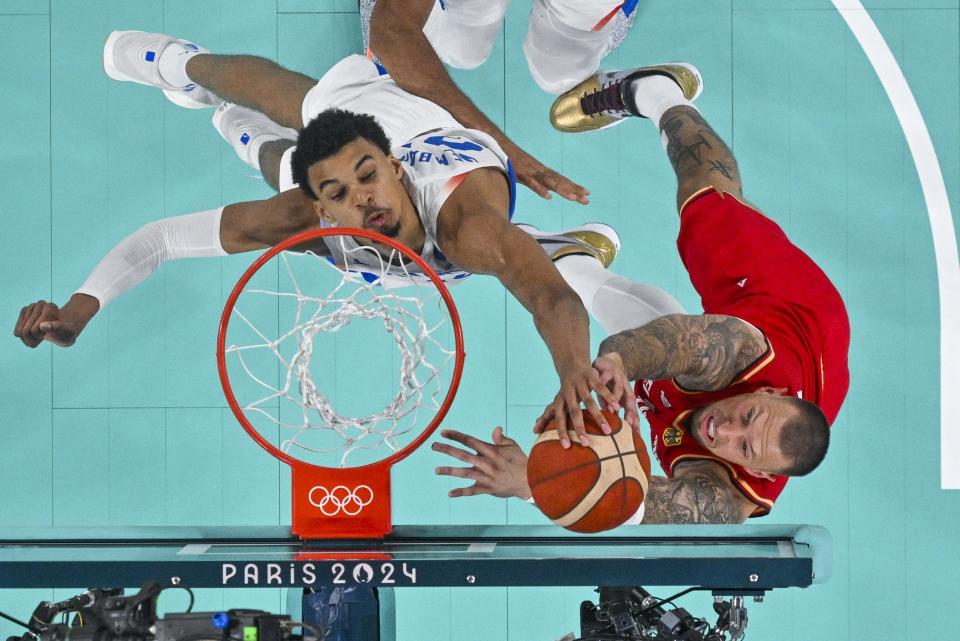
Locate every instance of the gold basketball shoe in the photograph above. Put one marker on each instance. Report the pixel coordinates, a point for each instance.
(605, 99)
(596, 240)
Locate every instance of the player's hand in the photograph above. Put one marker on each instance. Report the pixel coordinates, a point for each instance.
(533, 174)
(42, 321)
(498, 468)
(577, 388)
(614, 376)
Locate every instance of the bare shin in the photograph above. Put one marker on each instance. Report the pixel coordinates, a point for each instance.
(254, 82)
(698, 155)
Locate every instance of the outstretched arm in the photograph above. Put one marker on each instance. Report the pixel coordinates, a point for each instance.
(238, 228)
(396, 36)
(703, 352)
(701, 492)
(474, 233)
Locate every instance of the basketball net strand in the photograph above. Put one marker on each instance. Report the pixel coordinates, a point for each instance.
(403, 318)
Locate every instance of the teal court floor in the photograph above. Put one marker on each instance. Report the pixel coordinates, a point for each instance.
(135, 409)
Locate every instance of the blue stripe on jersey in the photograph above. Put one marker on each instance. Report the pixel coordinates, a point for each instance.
(629, 6)
(380, 68)
(513, 189)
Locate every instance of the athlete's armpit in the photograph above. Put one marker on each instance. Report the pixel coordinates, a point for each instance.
(703, 352)
(701, 492)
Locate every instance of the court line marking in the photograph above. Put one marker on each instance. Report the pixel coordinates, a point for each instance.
(941, 224)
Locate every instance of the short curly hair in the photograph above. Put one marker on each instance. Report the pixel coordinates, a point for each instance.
(327, 134)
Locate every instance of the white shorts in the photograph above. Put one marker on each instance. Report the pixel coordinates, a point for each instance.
(566, 39)
(356, 84)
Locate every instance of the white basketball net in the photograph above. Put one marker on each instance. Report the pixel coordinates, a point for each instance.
(296, 398)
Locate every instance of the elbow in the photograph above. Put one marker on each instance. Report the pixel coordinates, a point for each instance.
(387, 33)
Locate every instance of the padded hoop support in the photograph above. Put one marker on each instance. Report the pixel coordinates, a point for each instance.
(348, 502)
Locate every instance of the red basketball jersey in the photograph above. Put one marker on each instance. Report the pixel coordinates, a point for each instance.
(742, 264)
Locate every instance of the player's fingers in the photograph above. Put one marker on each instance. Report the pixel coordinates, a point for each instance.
(18, 329)
(544, 418)
(629, 401)
(472, 490)
(483, 448)
(631, 415)
(560, 421)
(575, 417)
(606, 395)
(570, 190)
(531, 182)
(499, 438)
(454, 452)
(33, 322)
(594, 411)
(615, 385)
(458, 472)
(57, 332)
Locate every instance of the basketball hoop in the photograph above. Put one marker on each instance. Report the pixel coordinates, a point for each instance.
(284, 337)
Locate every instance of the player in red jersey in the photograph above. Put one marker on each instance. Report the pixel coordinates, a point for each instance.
(738, 398)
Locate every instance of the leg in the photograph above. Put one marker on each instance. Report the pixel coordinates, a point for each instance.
(271, 157)
(567, 39)
(698, 155)
(664, 94)
(582, 256)
(258, 141)
(253, 82)
(615, 302)
(192, 77)
(463, 32)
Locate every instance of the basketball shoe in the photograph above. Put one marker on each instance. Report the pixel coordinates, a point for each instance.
(246, 130)
(606, 99)
(596, 240)
(134, 56)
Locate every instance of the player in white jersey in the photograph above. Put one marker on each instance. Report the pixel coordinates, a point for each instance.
(444, 191)
(564, 44)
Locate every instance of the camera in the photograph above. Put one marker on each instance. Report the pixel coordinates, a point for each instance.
(629, 613)
(109, 615)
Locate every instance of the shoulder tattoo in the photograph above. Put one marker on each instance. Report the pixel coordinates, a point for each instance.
(701, 494)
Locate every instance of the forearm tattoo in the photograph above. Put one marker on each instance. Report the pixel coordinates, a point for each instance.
(703, 352)
(700, 495)
(698, 155)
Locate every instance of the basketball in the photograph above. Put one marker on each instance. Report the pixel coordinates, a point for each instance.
(590, 488)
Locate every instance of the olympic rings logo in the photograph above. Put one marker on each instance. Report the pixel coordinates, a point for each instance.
(340, 499)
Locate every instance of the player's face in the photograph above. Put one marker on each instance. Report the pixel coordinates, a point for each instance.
(360, 186)
(745, 430)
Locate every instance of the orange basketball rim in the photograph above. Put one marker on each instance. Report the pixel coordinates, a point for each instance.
(342, 501)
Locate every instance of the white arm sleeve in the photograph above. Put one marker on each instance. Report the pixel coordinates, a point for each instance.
(142, 252)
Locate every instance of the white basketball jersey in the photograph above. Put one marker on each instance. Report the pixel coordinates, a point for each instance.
(434, 163)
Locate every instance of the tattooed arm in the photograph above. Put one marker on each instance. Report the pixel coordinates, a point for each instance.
(698, 155)
(702, 352)
(701, 492)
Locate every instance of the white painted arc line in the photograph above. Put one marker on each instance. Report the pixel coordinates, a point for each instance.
(941, 225)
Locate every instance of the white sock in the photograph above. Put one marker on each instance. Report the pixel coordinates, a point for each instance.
(654, 95)
(617, 303)
(173, 64)
(286, 170)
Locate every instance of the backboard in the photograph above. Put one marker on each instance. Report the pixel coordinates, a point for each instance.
(729, 560)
